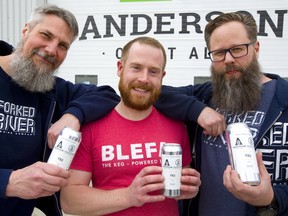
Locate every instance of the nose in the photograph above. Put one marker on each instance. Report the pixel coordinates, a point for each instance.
(143, 76)
(51, 48)
(228, 58)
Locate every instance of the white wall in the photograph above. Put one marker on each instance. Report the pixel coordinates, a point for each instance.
(98, 56)
(13, 15)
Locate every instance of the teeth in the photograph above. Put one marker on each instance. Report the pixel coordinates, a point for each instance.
(142, 90)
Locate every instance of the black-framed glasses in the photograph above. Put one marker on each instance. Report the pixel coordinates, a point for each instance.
(235, 51)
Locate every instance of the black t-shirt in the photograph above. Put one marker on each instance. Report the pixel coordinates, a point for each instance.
(20, 125)
(5, 48)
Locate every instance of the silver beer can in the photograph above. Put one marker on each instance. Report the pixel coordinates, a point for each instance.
(65, 148)
(242, 153)
(171, 160)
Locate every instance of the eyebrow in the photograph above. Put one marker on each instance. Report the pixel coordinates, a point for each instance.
(65, 43)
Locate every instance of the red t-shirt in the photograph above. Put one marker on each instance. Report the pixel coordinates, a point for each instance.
(115, 149)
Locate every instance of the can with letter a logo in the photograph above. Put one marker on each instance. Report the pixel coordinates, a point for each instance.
(65, 148)
(242, 153)
(171, 160)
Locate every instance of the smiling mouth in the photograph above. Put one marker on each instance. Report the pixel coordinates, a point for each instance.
(140, 90)
(45, 58)
(42, 58)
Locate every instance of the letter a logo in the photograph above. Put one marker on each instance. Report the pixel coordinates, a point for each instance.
(238, 142)
(166, 163)
(59, 145)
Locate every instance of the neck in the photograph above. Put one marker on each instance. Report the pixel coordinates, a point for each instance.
(5, 63)
(132, 114)
(265, 79)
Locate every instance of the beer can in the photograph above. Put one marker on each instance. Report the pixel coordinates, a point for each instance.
(242, 153)
(171, 160)
(65, 148)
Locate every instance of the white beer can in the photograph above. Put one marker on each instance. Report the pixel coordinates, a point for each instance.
(171, 160)
(65, 148)
(242, 153)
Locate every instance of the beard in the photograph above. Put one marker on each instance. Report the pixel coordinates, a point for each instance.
(28, 75)
(137, 102)
(237, 95)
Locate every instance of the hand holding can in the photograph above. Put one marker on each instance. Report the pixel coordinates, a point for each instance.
(65, 148)
(242, 153)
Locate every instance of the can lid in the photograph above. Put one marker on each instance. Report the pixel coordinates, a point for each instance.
(172, 144)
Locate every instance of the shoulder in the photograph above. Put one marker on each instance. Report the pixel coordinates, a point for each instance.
(5, 48)
(63, 86)
(163, 118)
(279, 79)
(281, 89)
(108, 119)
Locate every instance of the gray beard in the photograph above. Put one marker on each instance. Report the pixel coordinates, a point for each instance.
(237, 95)
(26, 74)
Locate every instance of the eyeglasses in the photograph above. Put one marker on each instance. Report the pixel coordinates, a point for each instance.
(236, 52)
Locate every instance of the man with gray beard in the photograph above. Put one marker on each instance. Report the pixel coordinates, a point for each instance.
(25, 72)
(241, 93)
(34, 106)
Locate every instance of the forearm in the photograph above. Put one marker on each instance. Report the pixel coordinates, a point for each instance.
(85, 200)
(179, 103)
(93, 104)
(85, 102)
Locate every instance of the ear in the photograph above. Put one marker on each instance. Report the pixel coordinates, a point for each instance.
(257, 48)
(25, 30)
(163, 74)
(119, 67)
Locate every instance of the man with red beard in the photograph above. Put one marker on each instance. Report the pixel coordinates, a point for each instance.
(120, 153)
(31, 100)
(242, 93)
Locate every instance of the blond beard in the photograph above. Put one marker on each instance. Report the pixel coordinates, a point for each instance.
(237, 95)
